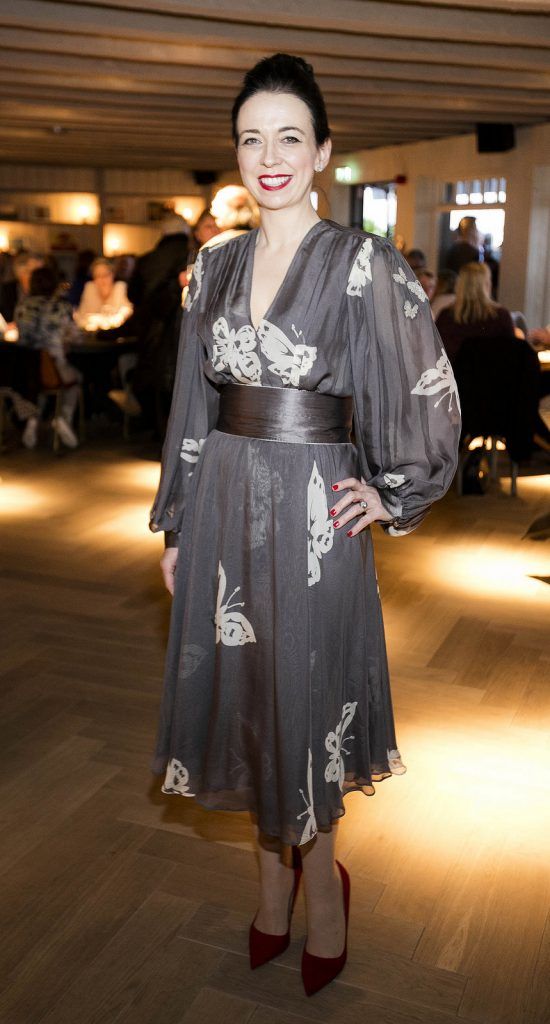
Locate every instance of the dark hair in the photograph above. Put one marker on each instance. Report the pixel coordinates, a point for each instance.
(44, 281)
(446, 282)
(417, 255)
(283, 73)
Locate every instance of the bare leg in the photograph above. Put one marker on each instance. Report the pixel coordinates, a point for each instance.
(276, 885)
(326, 929)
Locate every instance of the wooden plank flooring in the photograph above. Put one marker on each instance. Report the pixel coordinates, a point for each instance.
(121, 905)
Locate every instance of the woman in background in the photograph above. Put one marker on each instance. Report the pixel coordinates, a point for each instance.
(45, 321)
(473, 313)
(104, 301)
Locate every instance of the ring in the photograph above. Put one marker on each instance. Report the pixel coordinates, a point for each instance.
(363, 504)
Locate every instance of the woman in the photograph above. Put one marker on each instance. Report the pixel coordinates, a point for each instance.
(204, 229)
(276, 695)
(104, 301)
(473, 314)
(45, 321)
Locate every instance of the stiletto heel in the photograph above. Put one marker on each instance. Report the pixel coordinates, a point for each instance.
(318, 971)
(263, 946)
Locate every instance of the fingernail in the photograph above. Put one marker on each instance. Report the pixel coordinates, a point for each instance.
(335, 487)
(333, 511)
(349, 534)
(337, 524)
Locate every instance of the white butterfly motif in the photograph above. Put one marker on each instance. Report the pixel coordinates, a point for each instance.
(439, 378)
(197, 274)
(310, 829)
(177, 779)
(334, 771)
(361, 271)
(232, 628)
(409, 310)
(400, 277)
(191, 449)
(234, 351)
(414, 286)
(288, 361)
(394, 479)
(319, 526)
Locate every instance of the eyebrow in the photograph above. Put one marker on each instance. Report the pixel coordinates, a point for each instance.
(256, 131)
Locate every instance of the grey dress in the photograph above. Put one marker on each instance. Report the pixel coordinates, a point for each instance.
(276, 696)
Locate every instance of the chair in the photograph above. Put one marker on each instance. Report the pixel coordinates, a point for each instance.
(497, 382)
(52, 385)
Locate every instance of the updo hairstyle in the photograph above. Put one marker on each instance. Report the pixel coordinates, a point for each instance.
(284, 73)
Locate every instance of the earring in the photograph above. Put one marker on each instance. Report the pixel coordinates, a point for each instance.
(318, 167)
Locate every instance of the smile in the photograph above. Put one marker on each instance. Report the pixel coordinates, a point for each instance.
(272, 183)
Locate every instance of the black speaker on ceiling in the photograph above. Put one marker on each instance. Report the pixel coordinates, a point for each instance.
(204, 177)
(495, 138)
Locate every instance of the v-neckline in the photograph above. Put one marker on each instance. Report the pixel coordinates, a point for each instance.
(250, 270)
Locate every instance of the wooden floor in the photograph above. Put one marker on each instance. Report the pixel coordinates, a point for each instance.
(121, 905)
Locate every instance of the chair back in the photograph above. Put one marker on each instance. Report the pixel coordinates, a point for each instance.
(497, 382)
(49, 374)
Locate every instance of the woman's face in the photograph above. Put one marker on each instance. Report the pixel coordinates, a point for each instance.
(206, 230)
(277, 151)
(104, 280)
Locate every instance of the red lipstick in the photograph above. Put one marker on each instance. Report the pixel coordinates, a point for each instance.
(274, 182)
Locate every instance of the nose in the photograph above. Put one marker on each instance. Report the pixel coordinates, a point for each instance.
(270, 155)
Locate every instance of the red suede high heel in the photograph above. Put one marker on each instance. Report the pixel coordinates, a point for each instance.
(263, 946)
(318, 971)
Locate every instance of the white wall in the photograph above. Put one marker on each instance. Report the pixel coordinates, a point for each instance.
(525, 268)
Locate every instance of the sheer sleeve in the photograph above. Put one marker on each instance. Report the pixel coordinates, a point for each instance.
(193, 415)
(406, 405)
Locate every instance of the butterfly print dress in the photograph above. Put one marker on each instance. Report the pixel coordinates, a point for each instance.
(276, 696)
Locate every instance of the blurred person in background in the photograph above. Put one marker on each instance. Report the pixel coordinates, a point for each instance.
(84, 260)
(204, 229)
(45, 322)
(466, 248)
(444, 293)
(154, 289)
(14, 291)
(416, 259)
(491, 261)
(475, 314)
(104, 301)
(235, 211)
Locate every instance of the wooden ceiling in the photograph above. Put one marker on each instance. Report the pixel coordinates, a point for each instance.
(149, 83)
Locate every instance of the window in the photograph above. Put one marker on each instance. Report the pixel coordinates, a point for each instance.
(374, 208)
(476, 192)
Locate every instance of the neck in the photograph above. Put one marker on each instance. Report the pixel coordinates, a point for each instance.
(280, 229)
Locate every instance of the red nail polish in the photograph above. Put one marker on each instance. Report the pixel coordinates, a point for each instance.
(335, 487)
(333, 511)
(337, 524)
(349, 534)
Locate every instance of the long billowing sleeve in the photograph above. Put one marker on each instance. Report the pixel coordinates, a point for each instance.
(193, 415)
(406, 405)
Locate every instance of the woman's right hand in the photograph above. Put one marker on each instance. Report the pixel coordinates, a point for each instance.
(168, 568)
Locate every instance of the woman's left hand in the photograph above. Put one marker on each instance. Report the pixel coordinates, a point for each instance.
(348, 510)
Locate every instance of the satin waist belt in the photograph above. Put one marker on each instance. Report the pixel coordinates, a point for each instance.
(284, 414)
